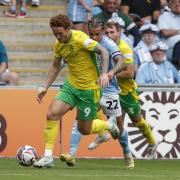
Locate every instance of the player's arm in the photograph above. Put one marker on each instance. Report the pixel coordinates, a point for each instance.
(128, 72)
(119, 64)
(53, 72)
(118, 67)
(103, 79)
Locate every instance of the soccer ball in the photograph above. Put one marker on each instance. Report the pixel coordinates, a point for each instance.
(26, 155)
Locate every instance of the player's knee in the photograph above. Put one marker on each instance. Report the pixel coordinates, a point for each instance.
(51, 116)
(84, 131)
(136, 120)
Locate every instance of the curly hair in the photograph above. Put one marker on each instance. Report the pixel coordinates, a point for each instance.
(60, 21)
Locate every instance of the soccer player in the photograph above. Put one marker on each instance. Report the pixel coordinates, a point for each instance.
(129, 97)
(80, 89)
(109, 102)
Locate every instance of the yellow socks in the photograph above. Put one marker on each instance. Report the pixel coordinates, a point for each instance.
(102, 133)
(51, 132)
(146, 130)
(98, 126)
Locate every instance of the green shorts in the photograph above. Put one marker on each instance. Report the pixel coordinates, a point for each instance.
(130, 104)
(86, 101)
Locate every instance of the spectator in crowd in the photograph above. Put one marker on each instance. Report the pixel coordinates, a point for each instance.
(79, 12)
(110, 7)
(160, 70)
(147, 10)
(5, 75)
(12, 12)
(149, 36)
(164, 3)
(5, 2)
(97, 7)
(35, 3)
(164, 6)
(169, 26)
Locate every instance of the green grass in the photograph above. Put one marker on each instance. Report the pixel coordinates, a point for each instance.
(93, 169)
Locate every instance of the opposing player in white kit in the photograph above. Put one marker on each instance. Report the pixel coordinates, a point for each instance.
(109, 102)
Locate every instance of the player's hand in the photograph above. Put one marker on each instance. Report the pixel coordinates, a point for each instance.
(41, 93)
(110, 74)
(103, 80)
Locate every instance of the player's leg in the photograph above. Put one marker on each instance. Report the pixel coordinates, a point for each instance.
(87, 105)
(131, 105)
(56, 109)
(145, 128)
(63, 102)
(75, 139)
(115, 114)
(111, 107)
(104, 136)
(124, 142)
(69, 158)
(88, 122)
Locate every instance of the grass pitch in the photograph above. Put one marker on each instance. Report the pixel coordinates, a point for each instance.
(92, 169)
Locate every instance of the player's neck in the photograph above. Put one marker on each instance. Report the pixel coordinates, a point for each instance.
(68, 37)
(118, 41)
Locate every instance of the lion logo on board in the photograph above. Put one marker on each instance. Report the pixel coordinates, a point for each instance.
(162, 111)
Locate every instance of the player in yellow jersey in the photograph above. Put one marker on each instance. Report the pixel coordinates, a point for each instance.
(80, 89)
(129, 98)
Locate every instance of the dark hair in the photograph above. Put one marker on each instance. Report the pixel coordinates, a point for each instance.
(60, 21)
(94, 23)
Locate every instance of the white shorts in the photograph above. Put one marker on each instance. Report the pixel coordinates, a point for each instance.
(110, 105)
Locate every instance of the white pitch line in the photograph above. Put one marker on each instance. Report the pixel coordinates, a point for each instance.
(87, 175)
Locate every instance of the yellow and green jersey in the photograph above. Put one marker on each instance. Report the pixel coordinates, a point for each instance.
(126, 84)
(77, 53)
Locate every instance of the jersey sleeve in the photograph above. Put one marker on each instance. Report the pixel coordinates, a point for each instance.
(127, 53)
(86, 42)
(112, 47)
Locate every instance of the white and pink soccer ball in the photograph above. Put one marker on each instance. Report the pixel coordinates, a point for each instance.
(26, 155)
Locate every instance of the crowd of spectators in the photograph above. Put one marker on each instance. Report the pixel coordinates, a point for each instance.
(145, 24)
(13, 11)
(6, 75)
